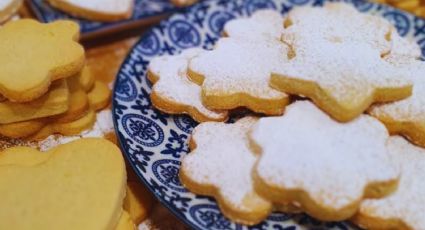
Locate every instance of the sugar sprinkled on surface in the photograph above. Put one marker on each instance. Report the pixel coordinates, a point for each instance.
(223, 159)
(333, 162)
(174, 85)
(407, 203)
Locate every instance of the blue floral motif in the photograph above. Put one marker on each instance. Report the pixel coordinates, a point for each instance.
(299, 2)
(149, 45)
(155, 142)
(253, 5)
(400, 21)
(217, 21)
(209, 217)
(143, 10)
(184, 34)
(143, 130)
(167, 171)
(176, 145)
(126, 89)
(185, 123)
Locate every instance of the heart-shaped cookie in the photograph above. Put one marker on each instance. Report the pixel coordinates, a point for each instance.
(65, 188)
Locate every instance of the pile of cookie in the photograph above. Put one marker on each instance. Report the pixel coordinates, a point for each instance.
(45, 85)
(328, 86)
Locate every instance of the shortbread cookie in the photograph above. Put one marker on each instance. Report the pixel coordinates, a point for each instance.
(87, 79)
(174, 93)
(138, 201)
(324, 167)
(67, 129)
(99, 96)
(97, 10)
(405, 208)
(52, 103)
(41, 53)
(343, 79)
(78, 118)
(204, 171)
(236, 74)
(263, 24)
(97, 161)
(339, 23)
(8, 8)
(406, 117)
(78, 102)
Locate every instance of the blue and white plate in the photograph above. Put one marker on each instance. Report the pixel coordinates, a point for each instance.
(155, 143)
(145, 11)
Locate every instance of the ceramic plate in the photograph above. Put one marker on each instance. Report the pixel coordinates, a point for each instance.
(155, 143)
(145, 11)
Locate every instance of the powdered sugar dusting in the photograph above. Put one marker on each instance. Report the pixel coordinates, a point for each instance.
(238, 66)
(103, 125)
(333, 162)
(407, 203)
(337, 22)
(108, 6)
(263, 24)
(173, 84)
(350, 72)
(223, 159)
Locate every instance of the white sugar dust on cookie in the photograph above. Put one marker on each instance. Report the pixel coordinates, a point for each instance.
(236, 73)
(405, 208)
(343, 79)
(323, 166)
(220, 165)
(263, 24)
(337, 22)
(406, 117)
(102, 10)
(174, 93)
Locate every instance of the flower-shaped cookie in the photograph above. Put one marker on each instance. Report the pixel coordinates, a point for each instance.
(343, 79)
(236, 73)
(325, 167)
(34, 54)
(336, 22)
(262, 25)
(220, 165)
(174, 93)
(405, 208)
(406, 117)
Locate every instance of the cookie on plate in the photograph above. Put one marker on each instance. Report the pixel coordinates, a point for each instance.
(96, 10)
(263, 24)
(404, 209)
(319, 165)
(35, 54)
(174, 93)
(236, 74)
(204, 171)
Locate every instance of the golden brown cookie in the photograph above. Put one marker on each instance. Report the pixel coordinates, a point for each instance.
(35, 54)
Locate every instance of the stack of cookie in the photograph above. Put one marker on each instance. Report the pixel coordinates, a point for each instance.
(45, 86)
(348, 80)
